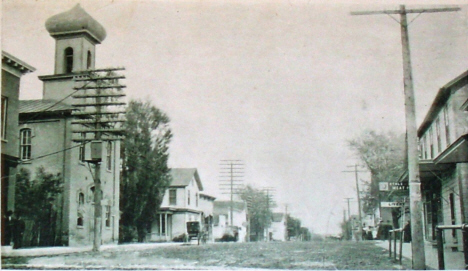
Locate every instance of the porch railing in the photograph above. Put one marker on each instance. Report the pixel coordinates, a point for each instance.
(440, 242)
(393, 235)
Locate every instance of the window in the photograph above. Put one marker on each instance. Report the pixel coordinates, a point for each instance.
(447, 127)
(452, 213)
(80, 199)
(82, 147)
(109, 155)
(172, 197)
(68, 60)
(188, 197)
(25, 144)
(421, 148)
(4, 116)
(439, 142)
(425, 146)
(431, 142)
(88, 62)
(108, 211)
(80, 220)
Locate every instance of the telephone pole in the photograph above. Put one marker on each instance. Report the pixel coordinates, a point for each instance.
(231, 181)
(417, 244)
(348, 228)
(98, 96)
(269, 201)
(358, 199)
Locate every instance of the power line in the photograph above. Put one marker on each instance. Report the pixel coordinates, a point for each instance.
(417, 245)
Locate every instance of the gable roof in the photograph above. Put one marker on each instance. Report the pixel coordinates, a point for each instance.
(43, 106)
(440, 100)
(16, 63)
(183, 176)
(277, 217)
(224, 206)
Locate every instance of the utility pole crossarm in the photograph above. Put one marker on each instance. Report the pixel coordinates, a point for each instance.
(417, 244)
(398, 11)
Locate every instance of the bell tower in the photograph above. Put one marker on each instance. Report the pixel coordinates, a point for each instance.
(76, 35)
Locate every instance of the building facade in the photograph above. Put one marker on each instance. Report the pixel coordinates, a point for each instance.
(12, 70)
(183, 202)
(278, 228)
(46, 135)
(443, 163)
(222, 220)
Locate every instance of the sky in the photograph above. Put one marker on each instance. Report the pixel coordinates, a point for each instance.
(280, 85)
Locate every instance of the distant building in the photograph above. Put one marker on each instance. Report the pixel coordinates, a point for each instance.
(278, 228)
(183, 202)
(45, 134)
(12, 70)
(207, 206)
(222, 219)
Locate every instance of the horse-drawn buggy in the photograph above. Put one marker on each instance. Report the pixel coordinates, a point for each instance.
(196, 231)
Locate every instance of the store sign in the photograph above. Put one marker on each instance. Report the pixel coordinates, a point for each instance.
(392, 186)
(383, 186)
(392, 204)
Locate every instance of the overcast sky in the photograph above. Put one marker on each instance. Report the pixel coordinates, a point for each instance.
(281, 85)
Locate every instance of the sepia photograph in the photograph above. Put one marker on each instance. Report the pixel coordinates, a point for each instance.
(234, 135)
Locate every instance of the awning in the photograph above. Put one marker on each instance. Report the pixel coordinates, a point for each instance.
(428, 170)
(457, 152)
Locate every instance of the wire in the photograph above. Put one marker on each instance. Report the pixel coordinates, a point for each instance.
(49, 107)
(393, 18)
(56, 152)
(45, 155)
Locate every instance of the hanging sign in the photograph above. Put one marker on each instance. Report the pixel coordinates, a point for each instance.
(392, 204)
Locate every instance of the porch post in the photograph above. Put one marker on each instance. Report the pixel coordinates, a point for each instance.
(165, 226)
(160, 225)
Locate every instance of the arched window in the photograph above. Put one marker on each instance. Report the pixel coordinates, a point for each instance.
(25, 144)
(68, 60)
(88, 62)
(79, 220)
(80, 199)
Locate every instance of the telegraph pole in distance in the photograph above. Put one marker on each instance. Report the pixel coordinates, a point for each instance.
(269, 201)
(231, 180)
(417, 244)
(348, 228)
(358, 199)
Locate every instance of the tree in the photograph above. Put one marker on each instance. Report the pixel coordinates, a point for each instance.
(383, 153)
(293, 226)
(259, 213)
(37, 201)
(145, 174)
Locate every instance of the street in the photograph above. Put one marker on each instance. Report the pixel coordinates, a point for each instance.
(273, 255)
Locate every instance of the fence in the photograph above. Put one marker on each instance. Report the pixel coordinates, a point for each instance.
(393, 235)
(440, 242)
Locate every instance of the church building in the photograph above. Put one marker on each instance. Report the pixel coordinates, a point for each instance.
(46, 135)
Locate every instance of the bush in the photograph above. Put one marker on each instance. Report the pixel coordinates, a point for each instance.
(180, 238)
(127, 234)
(228, 238)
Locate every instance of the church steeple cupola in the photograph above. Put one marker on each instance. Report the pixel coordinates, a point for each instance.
(76, 34)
